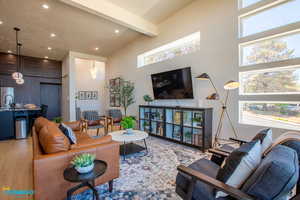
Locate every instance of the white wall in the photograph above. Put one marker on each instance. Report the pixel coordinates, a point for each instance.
(85, 82)
(65, 107)
(217, 22)
(69, 82)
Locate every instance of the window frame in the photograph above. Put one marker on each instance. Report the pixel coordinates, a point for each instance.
(270, 37)
(260, 36)
(266, 70)
(270, 102)
(260, 6)
(190, 38)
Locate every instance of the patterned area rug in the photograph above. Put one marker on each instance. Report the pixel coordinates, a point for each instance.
(150, 176)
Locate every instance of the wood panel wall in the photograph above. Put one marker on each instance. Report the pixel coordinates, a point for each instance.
(35, 71)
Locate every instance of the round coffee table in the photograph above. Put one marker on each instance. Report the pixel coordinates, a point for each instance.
(85, 180)
(128, 140)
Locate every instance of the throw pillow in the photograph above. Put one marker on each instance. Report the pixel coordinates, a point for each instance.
(239, 165)
(265, 137)
(68, 132)
(276, 175)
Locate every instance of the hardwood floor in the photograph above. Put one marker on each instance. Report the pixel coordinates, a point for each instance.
(16, 166)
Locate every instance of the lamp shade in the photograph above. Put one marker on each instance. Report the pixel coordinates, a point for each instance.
(231, 85)
(17, 75)
(20, 81)
(203, 76)
(214, 96)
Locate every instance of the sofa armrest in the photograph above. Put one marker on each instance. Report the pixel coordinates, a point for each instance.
(218, 156)
(238, 141)
(219, 152)
(234, 192)
(75, 125)
(92, 141)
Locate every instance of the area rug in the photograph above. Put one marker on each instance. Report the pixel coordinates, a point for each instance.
(148, 176)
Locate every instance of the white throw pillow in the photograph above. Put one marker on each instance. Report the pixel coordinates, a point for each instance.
(240, 164)
(266, 138)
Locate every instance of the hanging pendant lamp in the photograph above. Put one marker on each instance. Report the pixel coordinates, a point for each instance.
(18, 76)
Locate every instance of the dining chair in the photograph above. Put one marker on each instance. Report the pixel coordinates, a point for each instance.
(92, 120)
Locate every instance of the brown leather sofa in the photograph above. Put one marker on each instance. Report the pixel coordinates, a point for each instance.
(52, 153)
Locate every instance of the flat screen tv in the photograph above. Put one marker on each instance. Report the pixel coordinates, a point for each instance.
(175, 84)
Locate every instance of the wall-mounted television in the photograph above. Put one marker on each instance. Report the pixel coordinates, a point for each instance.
(175, 84)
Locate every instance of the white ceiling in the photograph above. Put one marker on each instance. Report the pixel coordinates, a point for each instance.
(154, 11)
(76, 29)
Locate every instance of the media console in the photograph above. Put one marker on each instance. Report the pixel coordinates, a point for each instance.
(184, 125)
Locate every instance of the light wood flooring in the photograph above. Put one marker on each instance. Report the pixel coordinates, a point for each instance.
(16, 166)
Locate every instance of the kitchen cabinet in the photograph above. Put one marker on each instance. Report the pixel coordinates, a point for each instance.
(7, 125)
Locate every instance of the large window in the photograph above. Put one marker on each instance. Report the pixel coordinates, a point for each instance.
(277, 48)
(272, 17)
(186, 45)
(269, 86)
(285, 80)
(284, 115)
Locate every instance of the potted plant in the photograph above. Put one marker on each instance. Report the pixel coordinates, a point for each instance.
(126, 94)
(146, 125)
(128, 124)
(84, 163)
(197, 120)
(147, 98)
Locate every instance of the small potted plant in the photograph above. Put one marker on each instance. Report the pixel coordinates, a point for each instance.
(128, 124)
(84, 163)
(148, 99)
(197, 120)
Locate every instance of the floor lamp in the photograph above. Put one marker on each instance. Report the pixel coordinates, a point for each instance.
(230, 85)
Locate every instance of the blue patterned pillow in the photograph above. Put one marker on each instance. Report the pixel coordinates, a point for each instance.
(68, 132)
(276, 175)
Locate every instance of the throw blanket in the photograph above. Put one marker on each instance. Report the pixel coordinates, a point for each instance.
(284, 138)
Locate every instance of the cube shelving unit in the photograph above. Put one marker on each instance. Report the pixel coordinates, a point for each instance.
(185, 125)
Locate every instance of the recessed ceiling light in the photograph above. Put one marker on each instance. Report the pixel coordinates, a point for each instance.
(52, 35)
(45, 6)
(97, 48)
(46, 57)
(49, 48)
(117, 31)
(1, 22)
(9, 51)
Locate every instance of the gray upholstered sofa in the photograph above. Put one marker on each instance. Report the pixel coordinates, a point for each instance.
(273, 179)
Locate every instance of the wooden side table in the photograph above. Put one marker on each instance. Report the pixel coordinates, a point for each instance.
(85, 180)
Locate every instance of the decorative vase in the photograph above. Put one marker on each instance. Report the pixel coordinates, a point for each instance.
(129, 131)
(84, 170)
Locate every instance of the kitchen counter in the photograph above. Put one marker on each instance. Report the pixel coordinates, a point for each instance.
(8, 119)
(19, 109)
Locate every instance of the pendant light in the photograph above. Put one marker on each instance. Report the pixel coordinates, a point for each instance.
(94, 70)
(18, 76)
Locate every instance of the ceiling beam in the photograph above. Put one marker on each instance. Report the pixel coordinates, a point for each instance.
(114, 13)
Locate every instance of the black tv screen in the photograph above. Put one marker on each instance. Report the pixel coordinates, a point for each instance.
(176, 84)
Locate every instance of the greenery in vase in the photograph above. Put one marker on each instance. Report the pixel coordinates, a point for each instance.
(197, 119)
(146, 123)
(188, 135)
(83, 160)
(128, 122)
(148, 98)
(126, 94)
